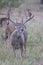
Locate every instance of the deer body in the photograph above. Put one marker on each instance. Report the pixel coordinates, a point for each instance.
(9, 29)
(18, 38)
(18, 35)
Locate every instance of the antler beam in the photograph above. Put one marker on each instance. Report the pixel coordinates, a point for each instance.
(29, 19)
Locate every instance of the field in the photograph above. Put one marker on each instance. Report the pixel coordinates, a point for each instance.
(34, 49)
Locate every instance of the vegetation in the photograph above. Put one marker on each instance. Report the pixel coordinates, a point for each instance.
(14, 3)
(34, 52)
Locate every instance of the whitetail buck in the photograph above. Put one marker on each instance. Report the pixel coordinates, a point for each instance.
(18, 35)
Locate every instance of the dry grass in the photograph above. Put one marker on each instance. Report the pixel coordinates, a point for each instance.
(34, 49)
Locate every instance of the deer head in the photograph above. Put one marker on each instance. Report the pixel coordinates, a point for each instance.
(20, 27)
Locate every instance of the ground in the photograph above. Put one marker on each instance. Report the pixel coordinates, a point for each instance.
(34, 49)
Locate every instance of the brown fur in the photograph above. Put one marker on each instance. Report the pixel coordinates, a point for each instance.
(10, 28)
(3, 20)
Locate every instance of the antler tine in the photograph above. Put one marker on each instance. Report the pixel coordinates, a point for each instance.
(22, 20)
(30, 16)
(9, 10)
(29, 19)
(29, 12)
(12, 21)
(16, 20)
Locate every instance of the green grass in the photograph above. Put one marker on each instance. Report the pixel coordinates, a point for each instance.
(34, 53)
(33, 50)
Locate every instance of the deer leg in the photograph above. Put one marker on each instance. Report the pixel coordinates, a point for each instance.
(22, 50)
(14, 52)
(25, 47)
(3, 39)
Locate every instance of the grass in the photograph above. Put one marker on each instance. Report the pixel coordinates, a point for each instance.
(33, 50)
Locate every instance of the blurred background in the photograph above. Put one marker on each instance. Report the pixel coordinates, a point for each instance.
(32, 4)
(34, 49)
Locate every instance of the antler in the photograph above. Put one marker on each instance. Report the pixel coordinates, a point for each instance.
(29, 12)
(12, 21)
(29, 19)
(22, 20)
(30, 16)
(9, 10)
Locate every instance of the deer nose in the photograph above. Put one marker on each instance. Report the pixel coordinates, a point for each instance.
(19, 36)
(21, 29)
(8, 23)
